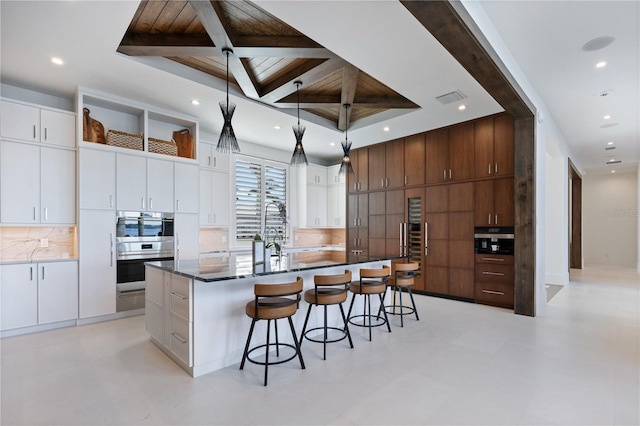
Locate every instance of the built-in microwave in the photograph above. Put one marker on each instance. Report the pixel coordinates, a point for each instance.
(144, 224)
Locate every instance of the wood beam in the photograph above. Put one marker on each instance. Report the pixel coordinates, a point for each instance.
(349, 84)
(168, 45)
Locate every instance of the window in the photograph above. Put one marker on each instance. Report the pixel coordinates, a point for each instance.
(261, 186)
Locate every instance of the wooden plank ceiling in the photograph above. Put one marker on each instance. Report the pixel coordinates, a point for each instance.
(268, 56)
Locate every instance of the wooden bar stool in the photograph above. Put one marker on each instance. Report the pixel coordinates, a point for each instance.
(372, 281)
(273, 302)
(402, 278)
(329, 290)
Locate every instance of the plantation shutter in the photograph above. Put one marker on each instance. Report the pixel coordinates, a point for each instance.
(275, 190)
(248, 199)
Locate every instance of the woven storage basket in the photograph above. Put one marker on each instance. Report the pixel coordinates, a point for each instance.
(163, 147)
(124, 140)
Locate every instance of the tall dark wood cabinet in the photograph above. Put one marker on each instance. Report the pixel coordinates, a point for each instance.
(494, 203)
(358, 181)
(386, 165)
(414, 160)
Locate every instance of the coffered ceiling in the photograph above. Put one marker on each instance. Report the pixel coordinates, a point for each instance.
(267, 58)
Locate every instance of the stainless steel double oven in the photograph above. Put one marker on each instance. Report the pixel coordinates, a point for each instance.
(140, 237)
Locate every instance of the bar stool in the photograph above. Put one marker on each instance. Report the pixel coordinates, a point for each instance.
(402, 278)
(328, 290)
(372, 281)
(273, 302)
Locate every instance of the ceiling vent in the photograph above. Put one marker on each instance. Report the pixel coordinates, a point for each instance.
(613, 162)
(609, 148)
(451, 97)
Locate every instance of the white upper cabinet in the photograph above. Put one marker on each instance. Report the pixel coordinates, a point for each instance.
(187, 183)
(144, 184)
(57, 186)
(97, 179)
(20, 183)
(316, 175)
(214, 198)
(212, 159)
(34, 124)
(334, 177)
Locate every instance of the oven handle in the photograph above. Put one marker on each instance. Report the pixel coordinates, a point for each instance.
(131, 293)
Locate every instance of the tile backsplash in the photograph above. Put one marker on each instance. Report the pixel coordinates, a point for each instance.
(305, 237)
(214, 239)
(37, 243)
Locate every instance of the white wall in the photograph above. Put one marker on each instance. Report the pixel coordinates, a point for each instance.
(556, 220)
(610, 219)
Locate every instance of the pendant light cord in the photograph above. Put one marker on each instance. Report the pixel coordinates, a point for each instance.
(227, 78)
(298, 97)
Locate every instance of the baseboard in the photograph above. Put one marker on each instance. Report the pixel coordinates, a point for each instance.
(109, 317)
(37, 328)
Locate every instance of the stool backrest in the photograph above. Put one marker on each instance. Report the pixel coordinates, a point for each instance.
(277, 291)
(405, 269)
(337, 279)
(375, 273)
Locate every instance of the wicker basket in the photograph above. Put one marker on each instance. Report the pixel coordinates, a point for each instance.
(124, 140)
(163, 147)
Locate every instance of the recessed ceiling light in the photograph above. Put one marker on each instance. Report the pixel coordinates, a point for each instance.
(57, 61)
(332, 143)
(613, 171)
(607, 117)
(462, 107)
(277, 127)
(195, 102)
(601, 64)
(386, 128)
(610, 143)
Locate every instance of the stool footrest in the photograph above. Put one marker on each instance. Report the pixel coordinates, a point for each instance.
(404, 310)
(337, 339)
(295, 354)
(380, 321)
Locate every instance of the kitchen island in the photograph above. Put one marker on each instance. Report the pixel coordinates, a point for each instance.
(195, 309)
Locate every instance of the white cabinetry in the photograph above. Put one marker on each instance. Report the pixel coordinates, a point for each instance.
(186, 186)
(97, 263)
(214, 198)
(336, 198)
(212, 159)
(39, 293)
(316, 206)
(316, 175)
(37, 184)
(169, 313)
(33, 124)
(186, 236)
(334, 177)
(97, 179)
(144, 184)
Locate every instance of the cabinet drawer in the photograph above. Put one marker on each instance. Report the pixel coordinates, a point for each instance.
(180, 297)
(153, 319)
(495, 294)
(494, 274)
(494, 259)
(180, 339)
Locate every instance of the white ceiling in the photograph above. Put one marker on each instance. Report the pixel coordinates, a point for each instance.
(379, 37)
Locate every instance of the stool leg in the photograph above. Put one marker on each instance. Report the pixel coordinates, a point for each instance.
(295, 339)
(368, 297)
(304, 327)
(246, 347)
(395, 290)
(383, 296)
(413, 303)
(401, 313)
(346, 327)
(384, 311)
(275, 323)
(266, 360)
(353, 298)
(325, 334)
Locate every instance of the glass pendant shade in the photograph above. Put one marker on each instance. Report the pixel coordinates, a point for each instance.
(227, 141)
(299, 158)
(346, 166)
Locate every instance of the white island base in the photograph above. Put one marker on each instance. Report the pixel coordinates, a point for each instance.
(202, 325)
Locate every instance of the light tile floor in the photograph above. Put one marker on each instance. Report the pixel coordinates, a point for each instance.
(576, 364)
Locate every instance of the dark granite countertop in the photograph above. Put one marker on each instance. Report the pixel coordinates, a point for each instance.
(239, 265)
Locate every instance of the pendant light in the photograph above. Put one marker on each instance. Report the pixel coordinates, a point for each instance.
(346, 166)
(227, 141)
(298, 158)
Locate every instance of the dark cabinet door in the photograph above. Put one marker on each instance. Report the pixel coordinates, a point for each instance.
(377, 203)
(376, 167)
(484, 203)
(358, 180)
(461, 152)
(461, 283)
(437, 156)
(437, 199)
(503, 201)
(483, 146)
(503, 146)
(394, 164)
(414, 160)
(461, 197)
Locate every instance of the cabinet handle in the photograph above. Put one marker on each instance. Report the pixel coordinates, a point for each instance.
(31, 273)
(496, 169)
(46, 214)
(180, 338)
(214, 218)
(498, 274)
(215, 161)
(382, 183)
(45, 133)
(34, 131)
(142, 199)
(208, 217)
(405, 179)
(111, 200)
(150, 203)
(179, 296)
(496, 219)
(489, 220)
(444, 175)
(209, 160)
(499, 293)
(426, 238)
(111, 247)
(449, 174)
(34, 213)
(387, 182)
(493, 259)
(177, 205)
(489, 168)
(43, 273)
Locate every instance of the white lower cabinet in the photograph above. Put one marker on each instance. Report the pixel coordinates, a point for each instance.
(186, 236)
(169, 313)
(97, 263)
(39, 293)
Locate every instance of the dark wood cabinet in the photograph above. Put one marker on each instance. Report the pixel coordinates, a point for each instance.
(414, 206)
(386, 165)
(414, 160)
(494, 280)
(358, 223)
(450, 154)
(494, 202)
(437, 155)
(358, 181)
(494, 146)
